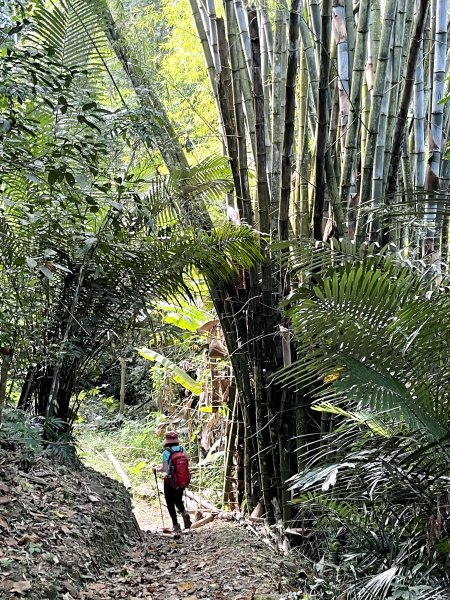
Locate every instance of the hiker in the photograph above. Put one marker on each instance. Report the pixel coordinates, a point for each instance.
(175, 468)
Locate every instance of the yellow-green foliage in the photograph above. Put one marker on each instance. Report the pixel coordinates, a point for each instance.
(164, 41)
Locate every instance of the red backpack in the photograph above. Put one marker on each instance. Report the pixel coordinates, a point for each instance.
(178, 471)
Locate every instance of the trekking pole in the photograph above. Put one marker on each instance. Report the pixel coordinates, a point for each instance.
(159, 498)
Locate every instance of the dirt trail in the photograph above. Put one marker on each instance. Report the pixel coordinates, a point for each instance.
(221, 560)
(66, 533)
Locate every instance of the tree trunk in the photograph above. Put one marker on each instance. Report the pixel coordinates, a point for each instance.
(6, 354)
(123, 374)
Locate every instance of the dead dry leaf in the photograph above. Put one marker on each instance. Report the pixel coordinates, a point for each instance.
(3, 524)
(4, 499)
(7, 584)
(70, 589)
(64, 529)
(28, 539)
(185, 586)
(97, 587)
(20, 586)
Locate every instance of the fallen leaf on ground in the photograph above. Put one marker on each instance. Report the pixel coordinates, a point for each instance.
(20, 586)
(7, 584)
(70, 588)
(186, 586)
(28, 539)
(4, 500)
(97, 587)
(3, 524)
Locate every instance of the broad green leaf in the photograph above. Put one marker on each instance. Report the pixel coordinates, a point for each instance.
(187, 316)
(177, 373)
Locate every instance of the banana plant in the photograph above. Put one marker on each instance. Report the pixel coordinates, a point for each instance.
(177, 374)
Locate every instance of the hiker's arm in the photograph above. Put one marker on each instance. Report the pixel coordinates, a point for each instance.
(163, 468)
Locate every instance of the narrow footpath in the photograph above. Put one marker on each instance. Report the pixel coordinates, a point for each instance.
(221, 560)
(67, 533)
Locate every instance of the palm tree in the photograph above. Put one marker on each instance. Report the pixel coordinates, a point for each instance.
(373, 340)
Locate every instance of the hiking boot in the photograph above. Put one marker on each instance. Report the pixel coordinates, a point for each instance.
(176, 528)
(187, 521)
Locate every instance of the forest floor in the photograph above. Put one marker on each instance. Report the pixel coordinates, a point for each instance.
(68, 533)
(219, 561)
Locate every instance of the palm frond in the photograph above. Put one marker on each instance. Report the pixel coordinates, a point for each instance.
(211, 177)
(72, 31)
(371, 320)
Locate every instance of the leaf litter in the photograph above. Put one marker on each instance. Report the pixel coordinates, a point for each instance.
(68, 533)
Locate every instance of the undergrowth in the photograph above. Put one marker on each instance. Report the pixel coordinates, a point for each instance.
(37, 436)
(133, 443)
(137, 445)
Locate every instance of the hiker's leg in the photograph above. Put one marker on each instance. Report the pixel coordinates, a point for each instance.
(180, 505)
(169, 495)
(178, 497)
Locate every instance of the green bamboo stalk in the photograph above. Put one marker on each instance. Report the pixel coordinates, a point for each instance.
(365, 113)
(213, 34)
(445, 161)
(204, 41)
(350, 27)
(377, 98)
(205, 19)
(399, 55)
(267, 28)
(343, 65)
(437, 109)
(379, 157)
(408, 183)
(308, 48)
(244, 76)
(351, 138)
(247, 211)
(406, 96)
(429, 60)
(303, 220)
(322, 121)
(333, 110)
(336, 211)
(376, 33)
(419, 122)
(316, 26)
(242, 23)
(266, 77)
(445, 167)
(370, 57)
(278, 110)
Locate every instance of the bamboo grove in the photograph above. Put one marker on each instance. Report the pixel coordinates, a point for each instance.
(334, 120)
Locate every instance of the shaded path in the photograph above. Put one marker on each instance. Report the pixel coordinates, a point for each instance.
(219, 561)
